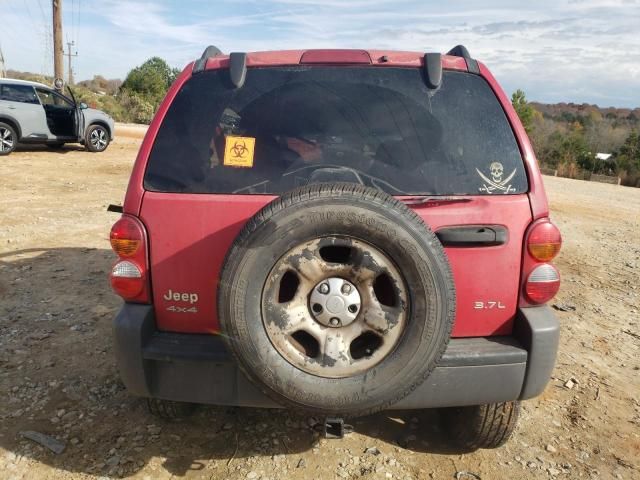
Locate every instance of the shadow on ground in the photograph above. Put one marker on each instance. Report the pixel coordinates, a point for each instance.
(66, 148)
(57, 366)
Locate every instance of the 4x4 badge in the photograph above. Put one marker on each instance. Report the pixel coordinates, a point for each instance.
(496, 183)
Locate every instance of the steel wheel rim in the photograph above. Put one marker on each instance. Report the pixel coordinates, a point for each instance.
(99, 138)
(309, 341)
(6, 139)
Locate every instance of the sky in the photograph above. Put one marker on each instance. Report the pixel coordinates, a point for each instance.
(581, 51)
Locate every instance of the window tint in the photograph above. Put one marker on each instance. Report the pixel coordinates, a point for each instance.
(292, 126)
(18, 93)
(47, 97)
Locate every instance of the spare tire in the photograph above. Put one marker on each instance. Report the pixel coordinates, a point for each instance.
(336, 299)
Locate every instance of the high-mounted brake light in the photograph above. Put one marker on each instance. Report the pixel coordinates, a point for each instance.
(542, 284)
(335, 56)
(129, 277)
(544, 241)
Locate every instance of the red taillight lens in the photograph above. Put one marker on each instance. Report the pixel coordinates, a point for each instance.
(127, 280)
(542, 284)
(129, 277)
(126, 237)
(544, 241)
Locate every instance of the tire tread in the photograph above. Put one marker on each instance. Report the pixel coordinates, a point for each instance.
(482, 426)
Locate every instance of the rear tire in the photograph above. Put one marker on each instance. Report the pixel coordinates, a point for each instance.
(169, 410)
(8, 139)
(481, 426)
(97, 138)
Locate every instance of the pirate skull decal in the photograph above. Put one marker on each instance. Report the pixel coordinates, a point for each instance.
(496, 184)
(496, 171)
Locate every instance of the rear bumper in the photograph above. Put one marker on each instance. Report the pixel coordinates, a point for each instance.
(198, 368)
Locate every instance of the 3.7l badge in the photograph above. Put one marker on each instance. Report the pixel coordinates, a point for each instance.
(489, 305)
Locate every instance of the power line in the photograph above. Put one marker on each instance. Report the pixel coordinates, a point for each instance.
(73, 20)
(36, 29)
(46, 38)
(78, 24)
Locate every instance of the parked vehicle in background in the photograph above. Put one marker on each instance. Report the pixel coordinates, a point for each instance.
(339, 232)
(33, 113)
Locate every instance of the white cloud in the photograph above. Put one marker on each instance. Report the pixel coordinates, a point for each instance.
(564, 50)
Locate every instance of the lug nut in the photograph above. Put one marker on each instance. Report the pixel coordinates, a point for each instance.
(324, 288)
(334, 322)
(346, 289)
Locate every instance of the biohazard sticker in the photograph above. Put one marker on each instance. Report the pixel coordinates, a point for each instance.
(496, 182)
(238, 151)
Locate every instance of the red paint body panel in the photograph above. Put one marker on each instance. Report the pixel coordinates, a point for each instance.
(194, 232)
(190, 234)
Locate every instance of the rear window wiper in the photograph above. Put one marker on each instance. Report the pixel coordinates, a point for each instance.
(432, 200)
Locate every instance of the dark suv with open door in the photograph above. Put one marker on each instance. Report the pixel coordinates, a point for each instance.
(339, 232)
(33, 113)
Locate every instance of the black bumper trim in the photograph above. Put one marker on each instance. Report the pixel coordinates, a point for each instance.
(198, 368)
(460, 352)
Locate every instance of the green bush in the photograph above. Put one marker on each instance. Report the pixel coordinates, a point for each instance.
(136, 109)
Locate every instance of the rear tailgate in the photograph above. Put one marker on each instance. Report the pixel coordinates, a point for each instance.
(190, 235)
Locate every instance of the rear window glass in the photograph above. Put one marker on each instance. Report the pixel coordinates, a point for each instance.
(18, 93)
(292, 126)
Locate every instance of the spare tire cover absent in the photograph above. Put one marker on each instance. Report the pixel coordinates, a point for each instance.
(336, 299)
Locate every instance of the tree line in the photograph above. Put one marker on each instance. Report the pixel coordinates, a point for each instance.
(567, 139)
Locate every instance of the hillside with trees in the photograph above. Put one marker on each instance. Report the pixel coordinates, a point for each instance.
(566, 138)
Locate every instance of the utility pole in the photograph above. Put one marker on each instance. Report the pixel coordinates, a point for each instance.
(58, 51)
(3, 71)
(69, 55)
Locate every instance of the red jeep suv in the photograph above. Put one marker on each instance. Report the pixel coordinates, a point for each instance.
(338, 232)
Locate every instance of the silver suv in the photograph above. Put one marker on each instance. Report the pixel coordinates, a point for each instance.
(31, 112)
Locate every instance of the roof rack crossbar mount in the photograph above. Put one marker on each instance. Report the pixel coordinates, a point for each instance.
(238, 68)
(433, 70)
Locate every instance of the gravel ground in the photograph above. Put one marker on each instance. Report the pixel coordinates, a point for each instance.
(58, 377)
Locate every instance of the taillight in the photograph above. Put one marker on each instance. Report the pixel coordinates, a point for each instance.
(540, 279)
(126, 237)
(542, 283)
(129, 275)
(544, 241)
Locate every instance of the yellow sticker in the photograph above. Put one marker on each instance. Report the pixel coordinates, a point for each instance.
(238, 151)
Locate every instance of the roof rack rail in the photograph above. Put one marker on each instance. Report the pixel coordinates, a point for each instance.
(461, 51)
(238, 68)
(209, 52)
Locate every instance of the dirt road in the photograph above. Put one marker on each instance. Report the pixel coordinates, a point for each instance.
(57, 372)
